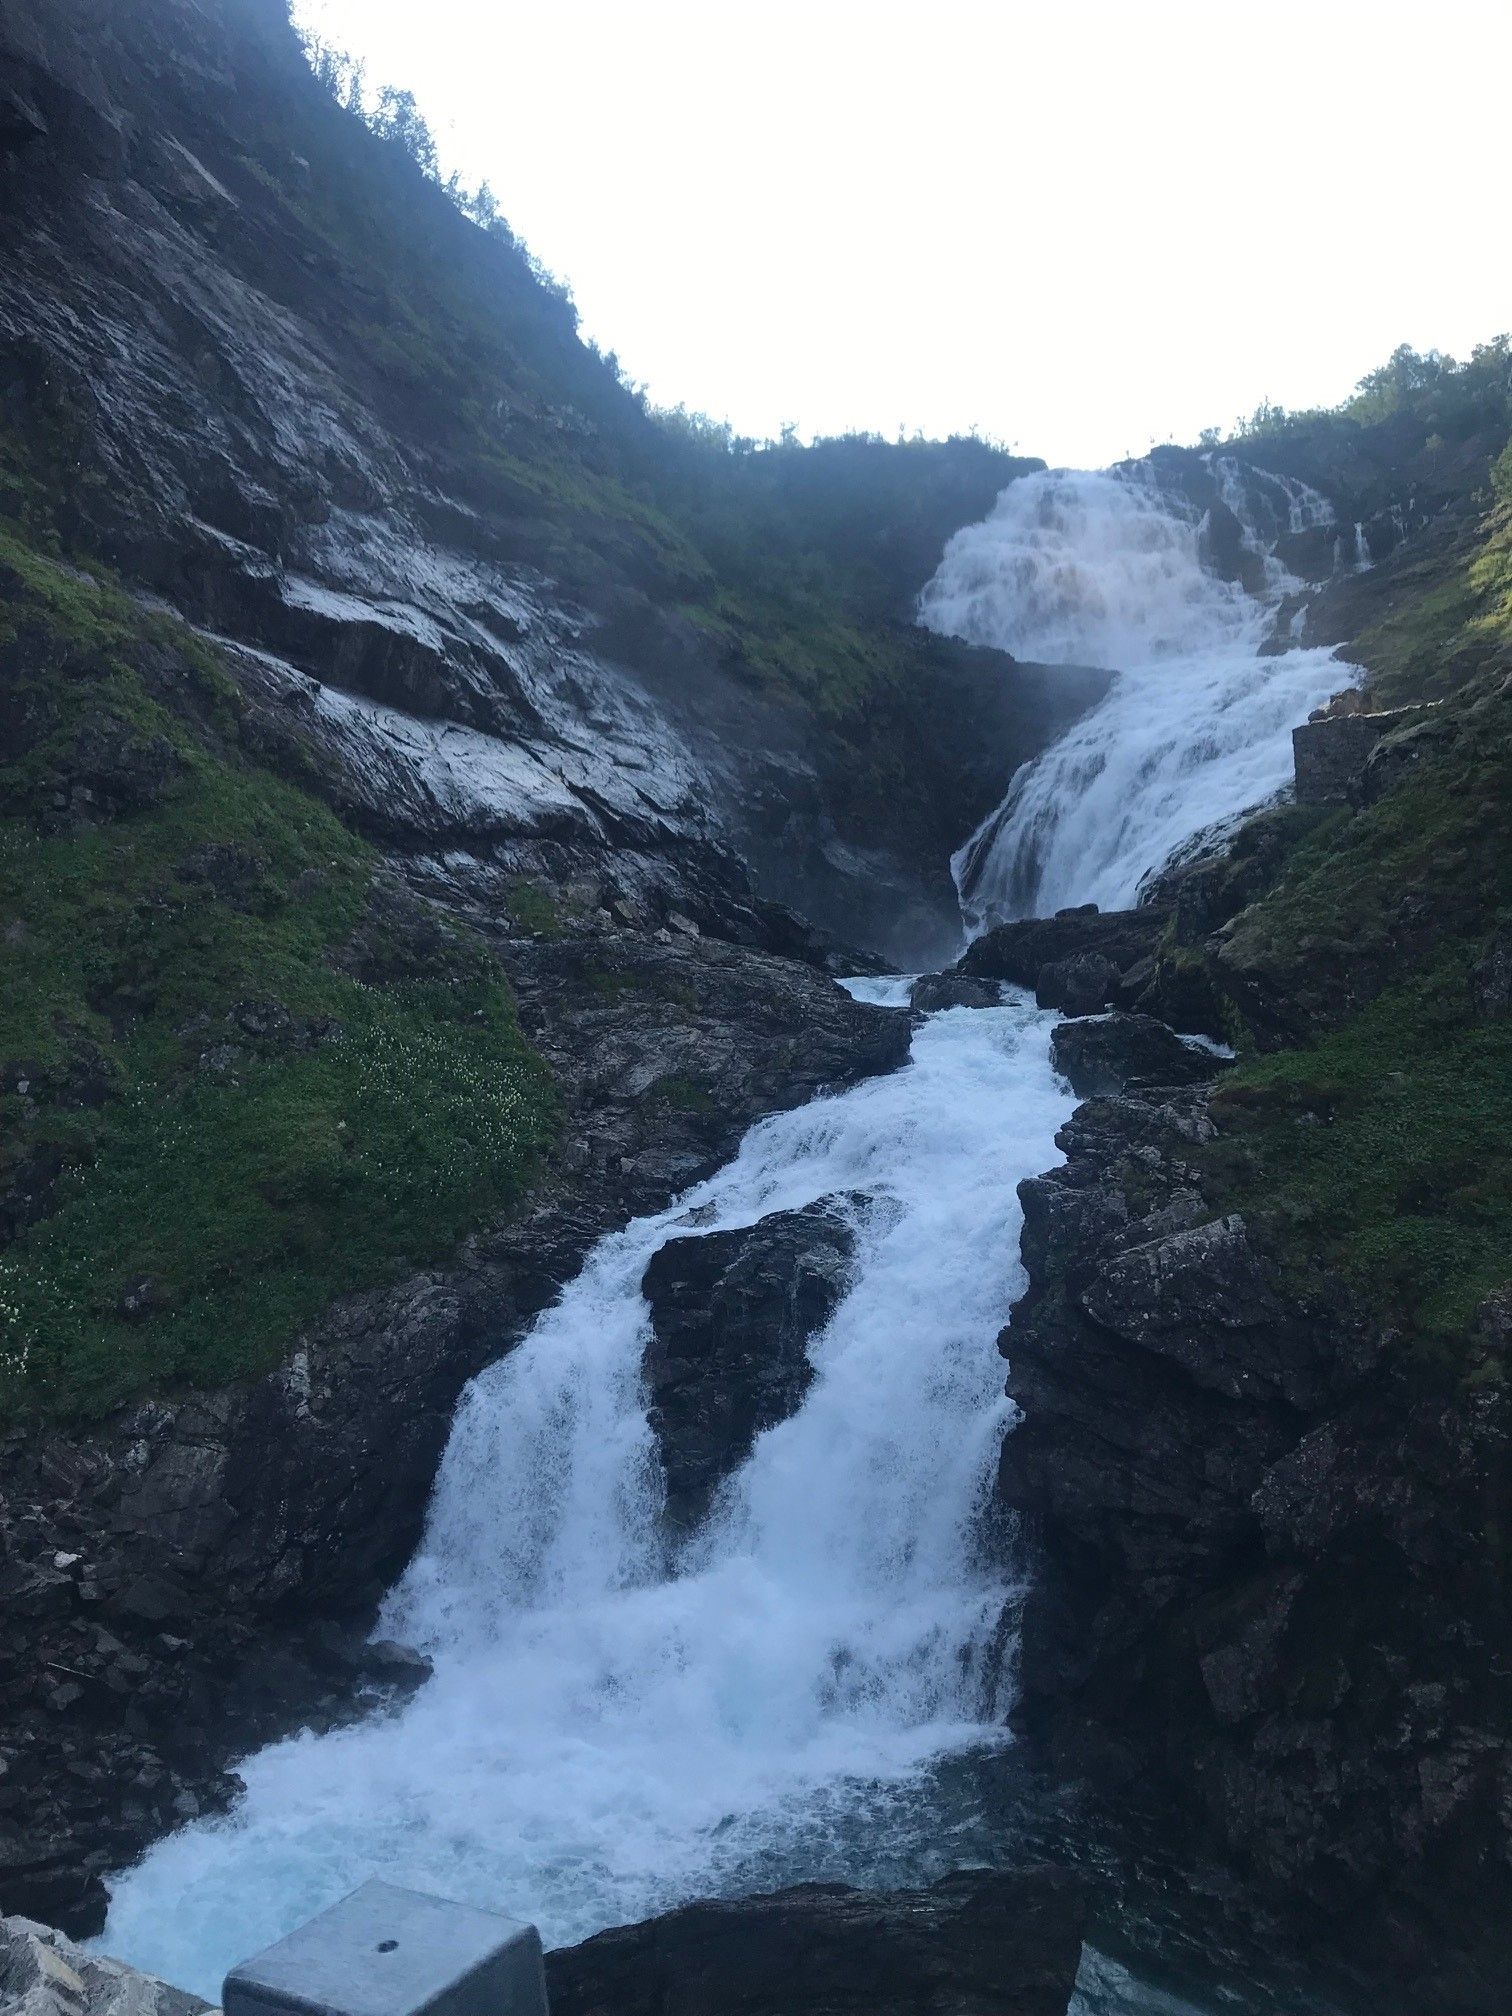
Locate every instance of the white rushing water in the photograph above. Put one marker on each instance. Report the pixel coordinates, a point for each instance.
(1108, 569)
(607, 1733)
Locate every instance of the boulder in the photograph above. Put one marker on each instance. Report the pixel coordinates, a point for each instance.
(934, 991)
(1079, 985)
(1033, 948)
(1107, 1052)
(44, 1974)
(1335, 752)
(979, 1943)
(732, 1314)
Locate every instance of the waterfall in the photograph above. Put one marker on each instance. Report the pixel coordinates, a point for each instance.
(614, 1725)
(607, 1731)
(1108, 569)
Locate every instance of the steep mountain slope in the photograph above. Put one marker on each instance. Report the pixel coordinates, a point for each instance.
(255, 359)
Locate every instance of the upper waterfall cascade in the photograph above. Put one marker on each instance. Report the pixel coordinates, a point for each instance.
(1116, 569)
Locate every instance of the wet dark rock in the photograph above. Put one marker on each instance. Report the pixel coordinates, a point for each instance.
(1107, 1052)
(1263, 1589)
(1350, 758)
(934, 991)
(1072, 961)
(980, 1943)
(1221, 542)
(399, 1666)
(732, 1316)
(1079, 985)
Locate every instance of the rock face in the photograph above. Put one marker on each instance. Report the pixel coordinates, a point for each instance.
(979, 1943)
(43, 1974)
(340, 442)
(1337, 752)
(171, 1578)
(1266, 1579)
(933, 991)
(1108, 1052)
(732, 1315)
(1078, 961)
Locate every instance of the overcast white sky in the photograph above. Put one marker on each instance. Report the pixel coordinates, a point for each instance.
(1077, 224)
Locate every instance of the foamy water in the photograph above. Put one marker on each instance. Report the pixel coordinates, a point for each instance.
(607, 1732)
(1107, 569)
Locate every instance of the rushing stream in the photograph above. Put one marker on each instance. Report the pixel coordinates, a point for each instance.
(801, 1690)
(607, 1733)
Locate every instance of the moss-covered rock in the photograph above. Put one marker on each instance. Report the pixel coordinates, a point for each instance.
(240, 1074)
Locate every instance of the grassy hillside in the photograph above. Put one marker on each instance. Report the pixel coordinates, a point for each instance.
(239, 1075)
(1380, 1139)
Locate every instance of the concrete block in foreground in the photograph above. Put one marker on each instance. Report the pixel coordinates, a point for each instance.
(390, 1952)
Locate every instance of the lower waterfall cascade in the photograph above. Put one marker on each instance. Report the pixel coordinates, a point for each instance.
(613, 1726)
(1110, 569)
(606, 1732)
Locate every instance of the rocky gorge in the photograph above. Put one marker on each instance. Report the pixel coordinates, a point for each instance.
(433, 834)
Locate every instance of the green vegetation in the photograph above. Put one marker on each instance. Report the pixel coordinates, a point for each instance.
(1362, 899)
(683, 1094)
(1382, 1143)
(1454, 614)
(1385, 1149)
(234, 1083)
(1418, 404)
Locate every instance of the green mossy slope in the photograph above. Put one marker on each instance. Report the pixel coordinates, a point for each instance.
(236, 1079)
(1380, 1141)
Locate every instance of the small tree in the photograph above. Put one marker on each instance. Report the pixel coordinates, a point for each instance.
(340, 74)
(399, 120)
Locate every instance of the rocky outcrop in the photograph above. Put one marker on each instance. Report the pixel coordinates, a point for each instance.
(1345, 758)
(1268, 1580)
(1078, 960)
(194, 1574)
(980, 1943)
(1105, 1053)
(44, 1974)
(732, 1315)
(932, 992)
(276, 377)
